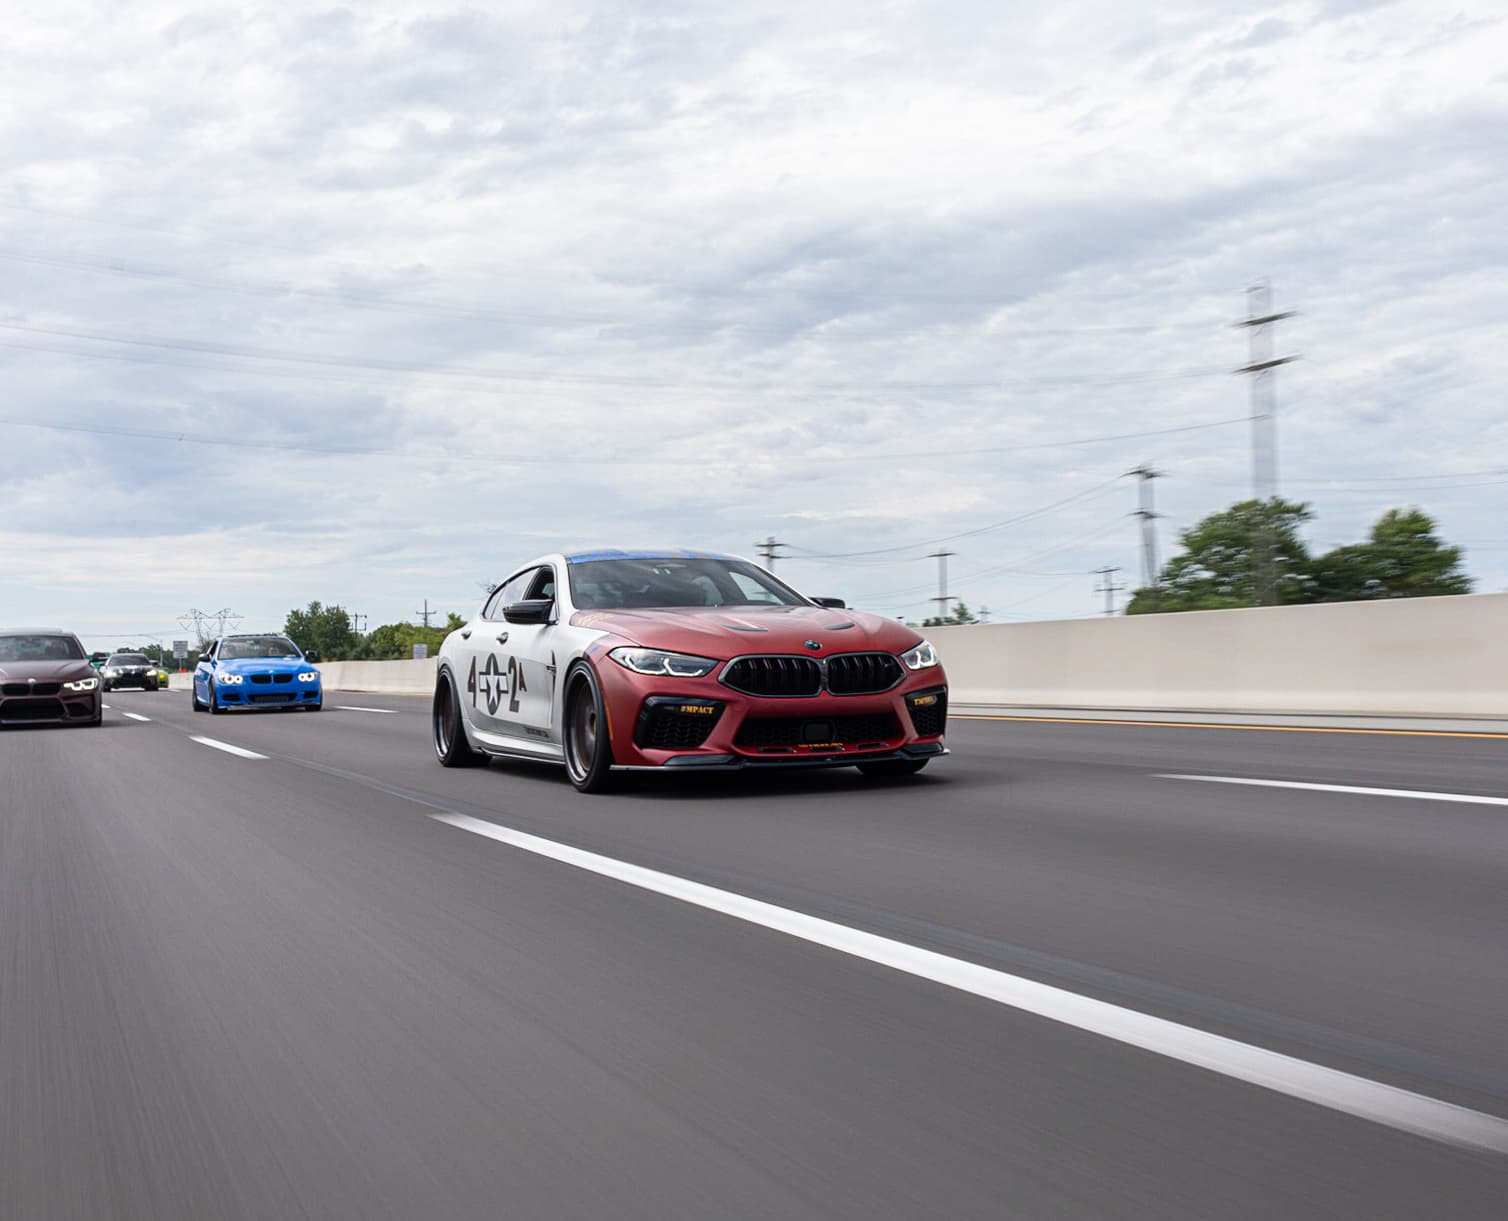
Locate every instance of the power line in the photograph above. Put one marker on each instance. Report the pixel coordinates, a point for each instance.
(561, 459)
(528, 376)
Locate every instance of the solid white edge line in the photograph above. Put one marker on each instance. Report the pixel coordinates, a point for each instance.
(106, 707)
(356, 708)
(227, 747)
(1418, 794)
(1328, 1087)
(136, 716)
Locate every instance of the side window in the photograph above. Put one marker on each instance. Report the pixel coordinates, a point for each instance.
(543, 585)
(511, 590)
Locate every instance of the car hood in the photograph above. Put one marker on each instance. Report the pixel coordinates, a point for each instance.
(45, 671)
(263, 665)
(731, 631)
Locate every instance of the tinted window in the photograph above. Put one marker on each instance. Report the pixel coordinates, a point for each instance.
(40, 648)
(238, 648)
(511, 590)
(676, 581)
(128, 659)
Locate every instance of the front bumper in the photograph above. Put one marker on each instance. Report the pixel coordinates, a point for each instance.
(250, 694)
(679, 723)
(60, 707)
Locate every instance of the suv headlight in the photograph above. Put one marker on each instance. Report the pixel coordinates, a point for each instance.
(82, 684)
(230, 680)
(657, 661)
(308, 676)
(923, 657)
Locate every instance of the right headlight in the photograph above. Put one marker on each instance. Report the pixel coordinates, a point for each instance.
(923, 657)
(657, 661)
(230, 680)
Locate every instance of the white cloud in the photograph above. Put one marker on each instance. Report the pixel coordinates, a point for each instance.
(681, 273)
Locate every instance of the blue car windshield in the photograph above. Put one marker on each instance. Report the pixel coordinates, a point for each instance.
(243, 648)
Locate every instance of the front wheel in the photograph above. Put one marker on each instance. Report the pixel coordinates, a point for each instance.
(892, 769)
(588, 741)
(214, 700)
(451, 745)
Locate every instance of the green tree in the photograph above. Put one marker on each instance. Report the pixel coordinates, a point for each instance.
(1402, 558)
(325, 630)
(960, 614)
(396, 640)
(1215, 569)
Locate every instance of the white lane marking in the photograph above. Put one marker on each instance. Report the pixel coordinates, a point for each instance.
(354, 708)
(1328, 1087)
(106, 707)
(136, 716)
(227, 748)
(1419, 794)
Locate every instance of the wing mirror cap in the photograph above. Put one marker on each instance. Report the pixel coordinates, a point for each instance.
(530, 610)
(831, 603)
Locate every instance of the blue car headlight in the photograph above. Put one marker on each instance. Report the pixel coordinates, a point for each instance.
(309, 676)
(230, 680)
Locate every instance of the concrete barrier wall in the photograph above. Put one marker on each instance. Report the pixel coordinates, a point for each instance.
(1409, 657)
(395, 677)
(1406, 657)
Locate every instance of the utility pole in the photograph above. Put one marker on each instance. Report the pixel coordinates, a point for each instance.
(1150, 572)
(1108, 586)
(426, 614)
(770, 550)
(942, 598)
(1260, 364)
(359, 623)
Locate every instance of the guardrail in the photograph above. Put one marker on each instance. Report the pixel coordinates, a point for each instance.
(1406, 657)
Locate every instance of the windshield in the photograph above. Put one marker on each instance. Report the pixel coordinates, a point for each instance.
(620, 584)
(239, 648)
(40, 648)
(128, 659)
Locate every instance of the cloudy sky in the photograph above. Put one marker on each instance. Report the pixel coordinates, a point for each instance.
(368, 304)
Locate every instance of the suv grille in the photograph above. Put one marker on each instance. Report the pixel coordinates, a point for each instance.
(774, 676)
(878, 729)
(862, 673)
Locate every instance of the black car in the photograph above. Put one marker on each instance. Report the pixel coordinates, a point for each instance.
(129, 670)
(46, 678)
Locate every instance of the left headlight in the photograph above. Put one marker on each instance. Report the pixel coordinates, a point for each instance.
(308, 676)
(82, 684)
(657, 661)
(923, 657)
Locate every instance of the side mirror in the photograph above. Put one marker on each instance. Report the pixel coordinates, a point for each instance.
(831, 603)
(530, 610)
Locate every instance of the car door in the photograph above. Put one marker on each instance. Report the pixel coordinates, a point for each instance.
(483, 657)
(202, 672)
(528, 652)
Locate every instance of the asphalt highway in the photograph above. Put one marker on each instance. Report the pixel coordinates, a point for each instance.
(1073, 971)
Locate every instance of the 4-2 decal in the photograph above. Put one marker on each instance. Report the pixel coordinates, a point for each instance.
(492, 682)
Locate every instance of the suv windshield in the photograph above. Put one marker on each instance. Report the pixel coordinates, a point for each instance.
(40, 648)
(239, 648)
(620, 584)
(128, 659)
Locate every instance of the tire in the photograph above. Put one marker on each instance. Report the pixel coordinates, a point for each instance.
(586, 736)
(153, 687)
(892, 769)
(448, 727)
(214, 700)
(104, 685)
(319, 707)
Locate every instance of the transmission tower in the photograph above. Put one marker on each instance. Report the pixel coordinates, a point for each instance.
(1109, 586)
(198, 622)
(1150, 572)
(769, 551)
(426, 614)
(1260, 364)
(942, 598)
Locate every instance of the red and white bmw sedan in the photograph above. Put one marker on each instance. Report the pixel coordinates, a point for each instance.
(608, 661)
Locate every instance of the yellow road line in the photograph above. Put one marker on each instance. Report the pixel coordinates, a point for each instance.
(1071, 720)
